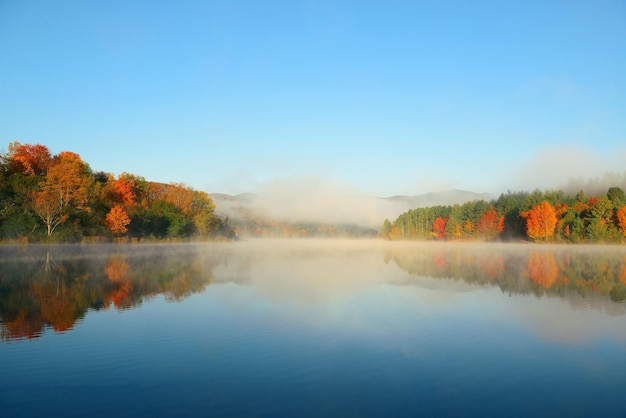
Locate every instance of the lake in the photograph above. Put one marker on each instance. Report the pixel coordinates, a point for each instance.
(312, 328)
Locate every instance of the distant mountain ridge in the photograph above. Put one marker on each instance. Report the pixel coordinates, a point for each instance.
(448, 197)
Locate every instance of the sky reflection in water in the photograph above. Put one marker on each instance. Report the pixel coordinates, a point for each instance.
(311, 328)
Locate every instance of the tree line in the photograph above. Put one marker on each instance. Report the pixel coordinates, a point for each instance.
(45, 197)
(550, 216)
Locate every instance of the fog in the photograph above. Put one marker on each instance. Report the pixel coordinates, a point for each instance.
(312, 199)
(322, 200)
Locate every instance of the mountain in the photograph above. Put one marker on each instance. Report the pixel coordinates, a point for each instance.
(448, 197)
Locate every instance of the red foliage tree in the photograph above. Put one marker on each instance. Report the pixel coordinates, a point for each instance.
(621, 220)
(29, 159)
(439, 227)
(490, 224)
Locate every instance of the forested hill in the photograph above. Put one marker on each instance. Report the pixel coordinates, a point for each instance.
(46, 197)
(549, 216)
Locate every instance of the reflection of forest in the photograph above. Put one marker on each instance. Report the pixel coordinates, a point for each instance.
(522, 269)
(54, 287)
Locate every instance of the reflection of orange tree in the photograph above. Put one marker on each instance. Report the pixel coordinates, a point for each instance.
(21, 327)
(542, 269)
(120, 296)
(58, 292)
(57, 305)
(116, 268)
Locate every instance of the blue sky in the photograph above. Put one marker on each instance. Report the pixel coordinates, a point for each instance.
(385, 98)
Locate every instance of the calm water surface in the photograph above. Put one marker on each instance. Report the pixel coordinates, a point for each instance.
(312, 328)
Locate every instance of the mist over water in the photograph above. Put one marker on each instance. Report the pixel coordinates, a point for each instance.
(313, 200)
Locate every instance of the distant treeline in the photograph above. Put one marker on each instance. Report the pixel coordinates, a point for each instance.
(46, 197)
(550, 216)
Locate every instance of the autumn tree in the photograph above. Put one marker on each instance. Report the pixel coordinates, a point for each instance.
(490, 224)
(66, 186)
(117, 220)
(68, 178)
(439, 227)
(621, 220)
(540, 221)
(180, 196)
(123, 189)
(28, 159)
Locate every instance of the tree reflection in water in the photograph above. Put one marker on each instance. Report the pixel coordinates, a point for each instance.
(521, 269)
(54, 287)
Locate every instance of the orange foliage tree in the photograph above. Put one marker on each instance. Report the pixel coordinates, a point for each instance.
(123, 189)
(540, 221)
(117, 220)
(68, 179)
